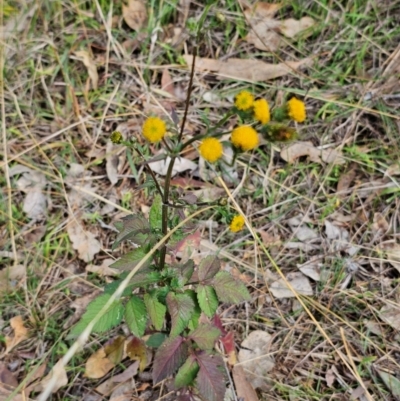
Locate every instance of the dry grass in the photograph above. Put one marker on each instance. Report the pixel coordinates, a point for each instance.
(52, 119)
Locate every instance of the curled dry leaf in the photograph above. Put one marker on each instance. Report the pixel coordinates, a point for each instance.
(57, 371)
(83, 241)
(246, 69)
(20, 333)
(90, 65)
(254, 357)
(244, 389)
(300, 283)
(135, 14)
(98, 365)
(299, 149)
(390, 314)
(103, 269)
(181, 164)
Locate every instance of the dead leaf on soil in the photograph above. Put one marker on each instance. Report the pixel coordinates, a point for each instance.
(393, 254)
(299, 282)
(390, 314)
(312, 269)
(21, 333)
(135, 14)
(167, 84)
(10, 276)
(246, 69)
(244, 389)
(83, 241)
(394, 169)
(255, 359)
(181, 164)
(299, 149)
(380, 225)
(292, 27)
(89, 63)
(346, 180)
(103, 269)
(123, 392)
(391, 382)
(6, 377)
(57, 371)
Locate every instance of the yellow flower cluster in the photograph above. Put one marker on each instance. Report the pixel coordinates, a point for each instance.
(211, 149)
(244, 100)
(237, 223)
(296, 110)
(261, 111)
(244, 138)
(154, 129)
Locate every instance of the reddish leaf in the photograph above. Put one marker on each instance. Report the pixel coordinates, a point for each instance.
(211, 378)
(133, 227)
(137, 351)
(209, 267)
(181, 308)
(216, 320)
(205, 336)
(228, 289)
(228, 342)
(169, 357)
(186, 271)
(192, 241)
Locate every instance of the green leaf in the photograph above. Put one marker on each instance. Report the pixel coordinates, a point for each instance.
(187, 373)
(156, 310)
(207, 298)
(156, 339)
(205, 336)
(181, 308)
(194, 321)
(209, 267)
(133, 227)
(186, 271)
(136, 316)
(131, 259)
(110, 319)
(228, 289)
(155, 216)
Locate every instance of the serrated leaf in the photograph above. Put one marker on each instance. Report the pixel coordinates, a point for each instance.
(110, 288)
(209, 267)
(187, 372)
(169, 357)
(181, 308)
(205, 336)
(155, 215)
(131, 259)
(143, 279)
(211, 378)
(110, 319)
(156, 310)
(194, 321)
(228, 289)
(137, 351)
(186, 271)
(136, 316)
(207, 298)
(133, 227)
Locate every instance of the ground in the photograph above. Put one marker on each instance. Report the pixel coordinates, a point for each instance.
(323, 210)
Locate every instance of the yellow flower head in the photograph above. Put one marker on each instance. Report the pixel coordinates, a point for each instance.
(296, 110)
(237, 223)
(116, 137)
(211, 149)
(261, 111)
(244, 137)
(154, 129)
(244, 100)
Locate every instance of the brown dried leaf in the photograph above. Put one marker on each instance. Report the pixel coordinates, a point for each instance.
(167, 84)
(299, 149)
(246, 69)
(135, 14)
(299, 282)
(103, 269)
(20, 333)
(98, 365)
(83, 241)
(9, 276)
(345, 180)
(90, 65)
(6, 377)
(264, 36)
(263, 10)
(244, 389)
(58, 371)
(292, 27)
(390, 314)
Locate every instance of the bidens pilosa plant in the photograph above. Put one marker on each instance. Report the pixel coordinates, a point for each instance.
(174, 302)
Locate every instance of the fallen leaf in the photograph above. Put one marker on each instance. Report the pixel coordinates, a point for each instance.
(254, 358)
(304, 233)
(6, 377)
(83, 241)
(123, 392)
(244, 390)
(57, 371)
(292, 27)
(298, 281)
(299, 149)
(9, 277)
(35, 202)
(391, 382)
(98, 365)
(345, 181)
(112, 162)
(89, 63)
(393, 169)
(330, 377)
(246, 69)
(390, 314)
(264, 35)
(135, 14)
(167, 84)
(263, 10)
(393, 254)
(181, 164)
(137, 351)
(103, 269)
(311, 269)
(20, 333)
(380, 225)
